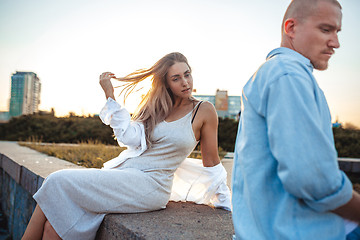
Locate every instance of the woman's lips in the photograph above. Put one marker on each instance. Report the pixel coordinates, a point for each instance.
(185, 90)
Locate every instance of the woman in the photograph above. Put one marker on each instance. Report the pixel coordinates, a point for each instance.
(165, 129)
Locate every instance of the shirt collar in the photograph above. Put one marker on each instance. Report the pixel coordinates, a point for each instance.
(288, 51)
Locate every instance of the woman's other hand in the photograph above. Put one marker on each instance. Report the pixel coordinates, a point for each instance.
(107, 85)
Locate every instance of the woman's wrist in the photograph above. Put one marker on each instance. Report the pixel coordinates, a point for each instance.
(110, 95)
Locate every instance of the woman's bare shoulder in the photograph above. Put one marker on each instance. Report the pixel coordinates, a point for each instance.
(207, 110)
(207, 106)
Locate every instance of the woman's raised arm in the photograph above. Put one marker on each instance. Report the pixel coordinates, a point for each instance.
(130, 134)
(107, 85)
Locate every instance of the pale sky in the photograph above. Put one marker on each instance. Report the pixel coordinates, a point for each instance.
(69, 43)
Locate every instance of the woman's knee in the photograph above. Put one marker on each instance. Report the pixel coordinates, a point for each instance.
(59, 176)
(49, 232)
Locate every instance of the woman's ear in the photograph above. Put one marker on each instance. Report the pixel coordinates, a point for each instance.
(289, 27)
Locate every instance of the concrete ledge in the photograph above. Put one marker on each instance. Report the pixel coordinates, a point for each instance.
(349, 164)
(23, 170)
(178, 221)
(12, 168)
(29, 180)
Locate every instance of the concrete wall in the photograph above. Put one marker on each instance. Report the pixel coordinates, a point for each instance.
(23, 171)
(351, 165)
(17, 186)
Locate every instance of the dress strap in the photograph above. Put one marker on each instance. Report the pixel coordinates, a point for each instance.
(197, 108)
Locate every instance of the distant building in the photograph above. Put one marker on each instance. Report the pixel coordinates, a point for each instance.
(336, 125)
(25, 93)
(4, 117)
(226, 106)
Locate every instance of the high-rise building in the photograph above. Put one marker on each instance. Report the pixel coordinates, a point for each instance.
(25, 93)
(226, 106)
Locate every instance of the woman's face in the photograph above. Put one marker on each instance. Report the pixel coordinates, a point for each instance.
(179, 80)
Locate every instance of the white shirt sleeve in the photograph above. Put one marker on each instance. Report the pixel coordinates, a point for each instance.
(128, 133)
(203, 185)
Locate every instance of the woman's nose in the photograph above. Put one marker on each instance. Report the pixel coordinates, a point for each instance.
(185, 82)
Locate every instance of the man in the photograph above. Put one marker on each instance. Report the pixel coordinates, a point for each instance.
(286, 180)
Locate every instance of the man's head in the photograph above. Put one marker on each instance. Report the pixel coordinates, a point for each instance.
(310, 27)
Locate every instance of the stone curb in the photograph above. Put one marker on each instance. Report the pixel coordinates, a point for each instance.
(178, 221)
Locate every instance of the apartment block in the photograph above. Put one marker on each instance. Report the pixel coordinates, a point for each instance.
(226, 106)
(25, 93)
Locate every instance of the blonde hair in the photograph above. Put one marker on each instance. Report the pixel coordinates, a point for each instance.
(157, 104)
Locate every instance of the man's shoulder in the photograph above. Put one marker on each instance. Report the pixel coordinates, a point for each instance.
(288, 61)
(283, 61)
(281, 64)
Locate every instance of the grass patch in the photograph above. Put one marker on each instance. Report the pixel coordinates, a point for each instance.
(90, 154)
(197, 154)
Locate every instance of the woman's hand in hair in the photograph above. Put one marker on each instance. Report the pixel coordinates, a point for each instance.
(107, 85)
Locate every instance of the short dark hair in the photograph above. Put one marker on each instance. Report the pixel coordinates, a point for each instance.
(302, 9)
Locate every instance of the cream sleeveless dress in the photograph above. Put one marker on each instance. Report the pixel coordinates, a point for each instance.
(76, 201)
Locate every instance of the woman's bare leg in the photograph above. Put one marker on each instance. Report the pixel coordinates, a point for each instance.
(35, 228)
(49, 232)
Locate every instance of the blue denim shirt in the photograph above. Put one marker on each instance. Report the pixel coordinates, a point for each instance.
(286, 177)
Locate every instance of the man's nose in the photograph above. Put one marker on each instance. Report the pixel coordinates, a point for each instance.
(334, 41)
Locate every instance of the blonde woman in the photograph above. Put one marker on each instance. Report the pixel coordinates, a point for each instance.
(162, 133)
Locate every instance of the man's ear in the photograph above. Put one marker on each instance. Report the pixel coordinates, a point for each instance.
(289, 27)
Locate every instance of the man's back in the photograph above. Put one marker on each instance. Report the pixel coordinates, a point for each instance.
(286, 177)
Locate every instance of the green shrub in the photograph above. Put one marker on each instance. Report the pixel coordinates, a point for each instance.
(347, 142)
(74, 129)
